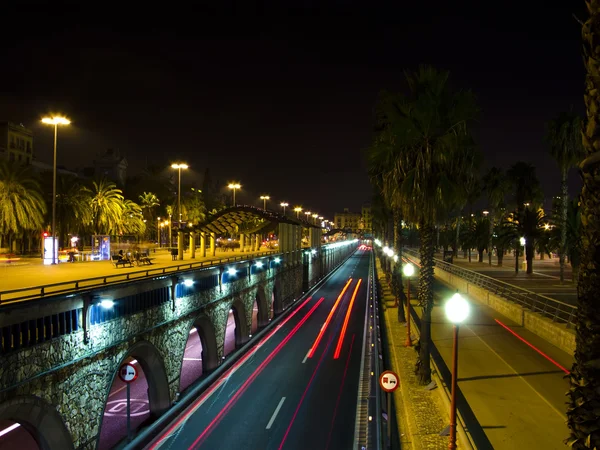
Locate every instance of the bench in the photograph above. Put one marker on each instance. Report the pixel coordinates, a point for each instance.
(144, 260)
(120, 261)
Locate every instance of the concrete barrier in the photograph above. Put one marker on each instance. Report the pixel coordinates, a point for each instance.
(555, 333)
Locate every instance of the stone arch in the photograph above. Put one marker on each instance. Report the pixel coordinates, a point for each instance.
(264, 310)
(40, 419)
(208, 339)
(241, 323)
(154, 369)
(277, 298)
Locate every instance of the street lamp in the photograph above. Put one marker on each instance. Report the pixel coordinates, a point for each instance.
(408, 270)
(264, 198)
(179, 166)
(315, 217)
(56, 121)
(234, 186)
(308, 213)
(298, 210)
(284, 205)
(457, 310)
(158, 231)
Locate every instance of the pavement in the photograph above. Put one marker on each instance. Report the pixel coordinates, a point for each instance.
(511, 395)
(280, 395)
(545, 279)
(31, 273)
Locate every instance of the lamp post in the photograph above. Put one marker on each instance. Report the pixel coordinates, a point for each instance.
(56, 121)
(284, 205)
(457, 310)
(264, 198)
(298, 210)
(315, 217)
(408, 270)
(308, 213)
(234, 186)
(179, 166)
(158, 231)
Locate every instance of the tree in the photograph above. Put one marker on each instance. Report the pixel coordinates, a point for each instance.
(22, 206)
(431, 127)
(73, 210)
(107, 207)
(495, 186)
(564, 137)
(584, 393)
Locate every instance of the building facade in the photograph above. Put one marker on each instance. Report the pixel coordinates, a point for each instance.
(359, 222)
(111, 165)
(16, 143)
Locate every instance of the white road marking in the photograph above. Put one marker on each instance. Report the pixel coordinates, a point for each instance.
(192, 359)
(304, 360)
(14, 426)
(544, 275)
(275, 413)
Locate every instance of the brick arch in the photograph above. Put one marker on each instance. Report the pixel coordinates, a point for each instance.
(208, 339)
(153, 366)
(241, 322)
(40, 419)
(264, 309)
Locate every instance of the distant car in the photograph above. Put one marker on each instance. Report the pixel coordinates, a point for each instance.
(8, 258)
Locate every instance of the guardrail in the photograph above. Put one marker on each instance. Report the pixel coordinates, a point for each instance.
(65, 287)
(554, 309)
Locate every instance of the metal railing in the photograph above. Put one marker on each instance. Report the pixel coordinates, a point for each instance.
(554, 309)
(65, 287)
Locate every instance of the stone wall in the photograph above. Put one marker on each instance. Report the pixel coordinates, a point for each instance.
(74, 378)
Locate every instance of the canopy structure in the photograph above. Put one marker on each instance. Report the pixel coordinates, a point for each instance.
(246, 219)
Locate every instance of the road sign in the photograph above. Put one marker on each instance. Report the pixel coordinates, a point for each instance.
(128, 373)
(388, 381)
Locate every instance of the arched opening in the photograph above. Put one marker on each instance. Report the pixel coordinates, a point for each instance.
(200, 354)
(29, 423)
(261, 309)
(149, 395)
(236, 333)
(254, 328)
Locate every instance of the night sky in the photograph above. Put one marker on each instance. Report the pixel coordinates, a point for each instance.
(282, 98)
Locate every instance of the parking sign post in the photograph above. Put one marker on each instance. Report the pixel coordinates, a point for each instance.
(128, 374)
(388, 381)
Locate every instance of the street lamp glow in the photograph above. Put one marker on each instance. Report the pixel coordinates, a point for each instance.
(264, 198)
(231, 271)
(522, 241)
(107, 304)
(297, 210)
(188, 283)
(457, 309)
(56, 121)
(284, 205)
(179, 166)
(234, 186)
(408, 270)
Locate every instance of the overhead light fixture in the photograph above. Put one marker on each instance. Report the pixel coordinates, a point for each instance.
(107, 304)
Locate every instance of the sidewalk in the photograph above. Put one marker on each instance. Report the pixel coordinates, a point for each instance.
(544, 280)
(421, 413)
(32, 273)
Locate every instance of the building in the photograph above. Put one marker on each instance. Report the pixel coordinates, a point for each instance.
(16, 143)
(367, 219)
(110, 165)
(348, 221)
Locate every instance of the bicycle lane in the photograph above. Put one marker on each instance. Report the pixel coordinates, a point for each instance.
(516, 394)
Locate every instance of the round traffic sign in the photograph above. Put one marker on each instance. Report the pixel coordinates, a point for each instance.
(388, 381)
(128, 373)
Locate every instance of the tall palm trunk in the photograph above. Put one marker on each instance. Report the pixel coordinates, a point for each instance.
(490, 235)
(426, 298)
(564, 198)
(584, 394)
(517, 258)
(529, 251)
(397, 286)
(456, 237)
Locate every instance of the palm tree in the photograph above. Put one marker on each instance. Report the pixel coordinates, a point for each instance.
(430, 126)
(132, 219)
(73, 210)
(564, 137)
(107, 207)
(526, 191)
(494, 184)
(584, 394)
(22, 206)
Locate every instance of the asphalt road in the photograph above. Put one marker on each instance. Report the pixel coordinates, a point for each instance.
(516, 394)
(280, 396)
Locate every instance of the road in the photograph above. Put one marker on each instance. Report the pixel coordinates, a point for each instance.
(516, 394)
(282, 394)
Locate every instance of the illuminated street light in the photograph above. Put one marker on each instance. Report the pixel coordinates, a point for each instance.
(408, 270)
(457, 310)
(264, 198)
(308, 213)
(485, 213)
(56, 121)
(315, 217)
(284, 205)
(298, 210)
(234, 186)
(179, 167)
